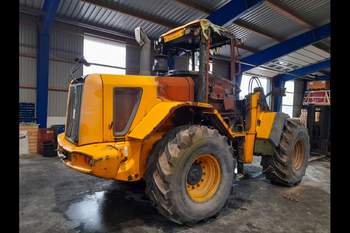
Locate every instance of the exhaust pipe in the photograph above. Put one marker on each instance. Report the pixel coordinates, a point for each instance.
(145, 56)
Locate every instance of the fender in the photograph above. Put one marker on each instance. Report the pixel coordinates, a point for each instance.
(165, 110)
(268, 132)
(270, 126)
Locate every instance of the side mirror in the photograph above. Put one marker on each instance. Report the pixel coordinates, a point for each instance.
(81, 60)
(140, 36)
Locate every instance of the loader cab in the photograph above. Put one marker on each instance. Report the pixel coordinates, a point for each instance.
(196, 40)
(196, 44)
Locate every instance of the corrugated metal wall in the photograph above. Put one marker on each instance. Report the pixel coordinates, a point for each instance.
(132, 61)
(27, 61)
(65, 44)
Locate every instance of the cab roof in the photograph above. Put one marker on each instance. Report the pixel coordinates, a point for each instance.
(219, 35)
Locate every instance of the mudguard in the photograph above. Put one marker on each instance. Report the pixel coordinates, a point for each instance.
(164, 110)
(158, 114)
(269, 131)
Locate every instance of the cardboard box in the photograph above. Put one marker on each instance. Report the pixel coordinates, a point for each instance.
(318, 85)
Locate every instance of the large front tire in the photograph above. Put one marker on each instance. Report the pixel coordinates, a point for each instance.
(287, 167)
(190, 174)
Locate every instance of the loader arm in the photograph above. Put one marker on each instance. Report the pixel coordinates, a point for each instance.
(264, 129)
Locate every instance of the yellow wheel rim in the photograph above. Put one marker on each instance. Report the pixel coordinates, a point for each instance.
(203, 178)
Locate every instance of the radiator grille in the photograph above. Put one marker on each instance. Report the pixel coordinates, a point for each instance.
(73, 112)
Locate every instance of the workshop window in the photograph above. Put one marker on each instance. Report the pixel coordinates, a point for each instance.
(245, 83)
(104, 52)
(288, 100)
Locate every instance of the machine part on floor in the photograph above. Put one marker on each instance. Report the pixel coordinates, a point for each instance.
(180, 130)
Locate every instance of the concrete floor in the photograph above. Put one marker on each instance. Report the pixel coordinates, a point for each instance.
(54, 198)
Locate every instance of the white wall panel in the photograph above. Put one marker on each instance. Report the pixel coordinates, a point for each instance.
(27, 95)
(57, 103)
(65, 45)
(27, 71)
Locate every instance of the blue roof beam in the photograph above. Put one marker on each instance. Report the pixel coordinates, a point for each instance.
(279, 80)
(232, 11)
(286, 47)
(50, 7)
(304, 70)
(321, 78)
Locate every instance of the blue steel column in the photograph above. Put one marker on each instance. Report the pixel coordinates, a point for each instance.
(277, 100)
(42, 79)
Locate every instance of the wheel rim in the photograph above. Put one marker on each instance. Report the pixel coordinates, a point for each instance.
(203, 178)
(298, 155)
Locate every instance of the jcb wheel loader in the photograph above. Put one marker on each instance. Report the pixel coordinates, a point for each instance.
(184, 132)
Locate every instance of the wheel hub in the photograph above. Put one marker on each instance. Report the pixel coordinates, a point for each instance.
(203, 178)
(194, 174)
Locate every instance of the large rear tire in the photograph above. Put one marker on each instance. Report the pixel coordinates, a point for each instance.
(287, 167)
(190, 174)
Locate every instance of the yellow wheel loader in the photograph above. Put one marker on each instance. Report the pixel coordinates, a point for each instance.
(184, 132)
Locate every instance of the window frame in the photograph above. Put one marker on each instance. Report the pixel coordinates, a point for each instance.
(133, 112)
(77, 103)
(289, 105)
(247, 77)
